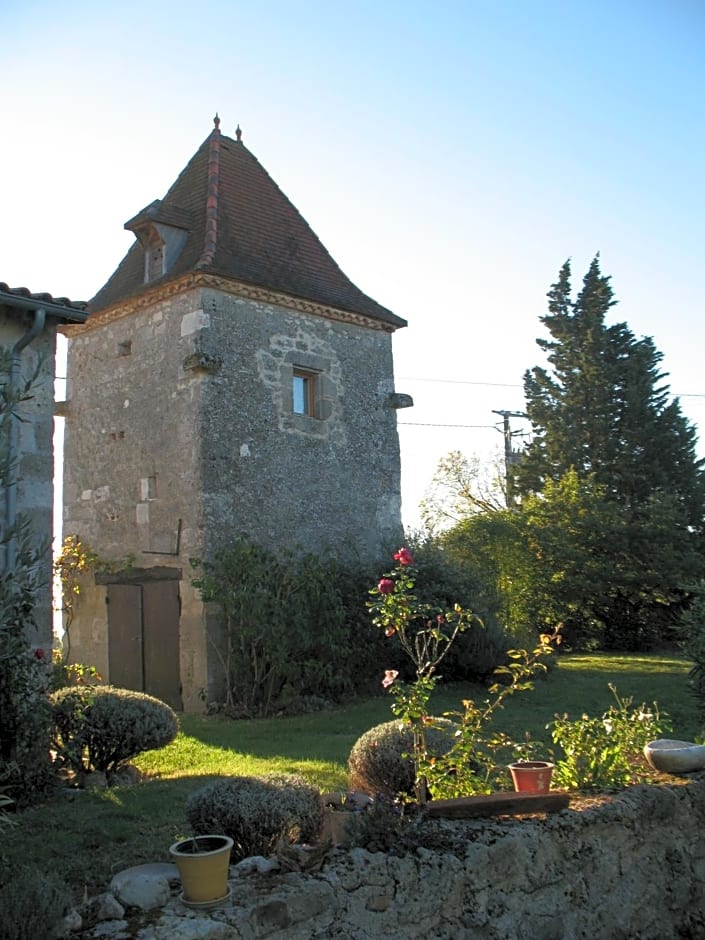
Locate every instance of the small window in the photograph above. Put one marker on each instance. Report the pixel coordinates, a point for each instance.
(125, 349)
(156, 261)
(303, 391)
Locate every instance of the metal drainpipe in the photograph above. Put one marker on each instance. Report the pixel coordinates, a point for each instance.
(14, 443)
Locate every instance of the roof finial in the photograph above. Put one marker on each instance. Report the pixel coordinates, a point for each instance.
(238, 133)
(216, 121)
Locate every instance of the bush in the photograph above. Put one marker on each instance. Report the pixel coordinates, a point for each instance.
(605, 752)
(33, 904)
(443, 582)
(257, 812)
(25, 768)
(693, 622)
(282, 636)
(99, 727)
(380, 761)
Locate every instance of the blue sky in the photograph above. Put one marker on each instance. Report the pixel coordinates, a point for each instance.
(450, 156)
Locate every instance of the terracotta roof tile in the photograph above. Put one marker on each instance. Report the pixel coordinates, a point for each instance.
(241, 226)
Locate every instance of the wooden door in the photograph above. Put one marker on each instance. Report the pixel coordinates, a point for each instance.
(125, 667)
(143, 639)
(160, 620)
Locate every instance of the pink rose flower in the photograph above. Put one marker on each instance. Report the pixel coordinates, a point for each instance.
(389, 677)
(385, 586)
(404, 557)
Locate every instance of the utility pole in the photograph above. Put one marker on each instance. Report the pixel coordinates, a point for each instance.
(510, 456)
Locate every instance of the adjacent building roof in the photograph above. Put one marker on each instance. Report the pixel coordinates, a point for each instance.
(225, 216)
(61, 307)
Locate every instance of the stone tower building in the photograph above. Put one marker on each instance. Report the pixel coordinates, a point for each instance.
(229, 379)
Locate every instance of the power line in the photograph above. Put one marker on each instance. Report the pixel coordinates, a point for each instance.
(429, 424)
(418, 378)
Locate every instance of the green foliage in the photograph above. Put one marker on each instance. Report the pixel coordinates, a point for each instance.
(387, 827)
(381, 763)
(441, 582)
(257, 812)
(65, 674)
(601, 753)
(425, 633)
(614, 568)
(693, 623)
(461, 487)
(24, 724)
(283, 635)
(100, 727)
(7, 820)
(573, 556)
(33, 904)
(470, 766)
(602, 408)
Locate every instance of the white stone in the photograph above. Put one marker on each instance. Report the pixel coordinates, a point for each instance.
(256, 864)
(144, 886)
(675, 757)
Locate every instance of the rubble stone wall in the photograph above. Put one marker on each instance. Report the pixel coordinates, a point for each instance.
(631, 867)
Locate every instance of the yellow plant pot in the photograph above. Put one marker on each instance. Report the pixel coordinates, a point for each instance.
(204, 865)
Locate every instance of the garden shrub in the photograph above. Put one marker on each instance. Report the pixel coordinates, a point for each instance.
(693, 623)
(257, 812)
(604, 752)
(25, 723)
(380, 762)
(442, 582)
(33, 904)
(285, 628)
(99, 727)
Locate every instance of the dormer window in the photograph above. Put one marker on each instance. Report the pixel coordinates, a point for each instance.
(162, 232)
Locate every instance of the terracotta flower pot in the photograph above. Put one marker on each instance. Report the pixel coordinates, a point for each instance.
(532, 776)
(204, 865)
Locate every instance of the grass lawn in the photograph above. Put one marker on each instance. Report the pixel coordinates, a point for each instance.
(89, 835)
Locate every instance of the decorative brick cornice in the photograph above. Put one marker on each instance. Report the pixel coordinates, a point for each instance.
(196, 279)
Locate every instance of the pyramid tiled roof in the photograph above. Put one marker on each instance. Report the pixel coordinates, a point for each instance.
(237, 223)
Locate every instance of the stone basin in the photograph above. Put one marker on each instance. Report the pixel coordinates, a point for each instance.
(675, 757)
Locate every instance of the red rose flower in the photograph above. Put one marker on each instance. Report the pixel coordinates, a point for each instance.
(404, 557)
(39, 653)
(385, 586)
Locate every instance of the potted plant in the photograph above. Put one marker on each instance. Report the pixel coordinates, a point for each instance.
(204, 865)
(339, 811)
(530, 775)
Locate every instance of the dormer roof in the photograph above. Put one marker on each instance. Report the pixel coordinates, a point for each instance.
(225, 216)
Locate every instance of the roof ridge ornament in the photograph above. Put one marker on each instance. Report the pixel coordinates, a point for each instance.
(216, 122)
(238, 133)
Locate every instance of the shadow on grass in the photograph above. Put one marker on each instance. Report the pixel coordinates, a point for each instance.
(87, 836)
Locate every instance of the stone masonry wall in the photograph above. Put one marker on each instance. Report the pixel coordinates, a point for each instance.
(633, 867)
(332, 480)
(132, 468)
(180, 435)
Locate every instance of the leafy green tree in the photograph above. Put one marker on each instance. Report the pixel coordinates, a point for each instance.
(572, 556)
(603, 408)
(461, 487)
(609, 532)
(543, 558)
